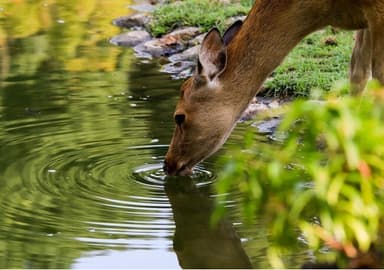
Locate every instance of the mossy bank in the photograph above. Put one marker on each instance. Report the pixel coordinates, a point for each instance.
(317, 62)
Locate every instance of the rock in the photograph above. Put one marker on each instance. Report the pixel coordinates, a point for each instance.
(184, 34)
(274, 104)
(155, 2)
(169, 44)
(267, 126)
(136, 20)
(252, 110)
(144, 7)
(140, 52)
(187, 55)
(186, 73)
(197, 40)
(231, 20)
(178, 67)
(131, 39)
(182, 64)
(159, 47)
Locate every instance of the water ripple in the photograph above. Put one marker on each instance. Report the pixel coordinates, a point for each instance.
(93, 185)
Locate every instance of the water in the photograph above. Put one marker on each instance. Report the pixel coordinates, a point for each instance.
(84, 127)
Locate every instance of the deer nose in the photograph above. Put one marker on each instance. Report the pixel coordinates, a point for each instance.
(174, 168)
(169, 167)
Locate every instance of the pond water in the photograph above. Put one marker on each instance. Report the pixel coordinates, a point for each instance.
(84, 127)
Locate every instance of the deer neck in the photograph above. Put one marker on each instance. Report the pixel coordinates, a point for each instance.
(266, 37)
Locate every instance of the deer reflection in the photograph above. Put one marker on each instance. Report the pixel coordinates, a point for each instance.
(197, 243)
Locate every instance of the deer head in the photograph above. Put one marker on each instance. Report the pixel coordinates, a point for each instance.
(231, 69)
(203, 116)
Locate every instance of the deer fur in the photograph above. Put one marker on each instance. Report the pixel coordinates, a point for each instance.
(231, 69)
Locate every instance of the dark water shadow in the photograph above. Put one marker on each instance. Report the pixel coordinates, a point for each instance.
(197, 243)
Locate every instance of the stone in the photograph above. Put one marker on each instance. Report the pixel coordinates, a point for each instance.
(268, 126)
(182, 64)
(274, 104)
(231, 20)
(169, 44)
(184, 35)
(141, 53)
(196, 40)
(131, 39)
(178, 67)
(135, 20)
(144, 7)
(186, 73)
(159, 47)
(252, 110)
(187, 55)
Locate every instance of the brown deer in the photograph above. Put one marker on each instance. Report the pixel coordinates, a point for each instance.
(232, 68)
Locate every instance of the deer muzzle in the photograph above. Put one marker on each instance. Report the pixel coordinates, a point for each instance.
(173, 168)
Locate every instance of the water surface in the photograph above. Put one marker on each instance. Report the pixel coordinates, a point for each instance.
(84, 127)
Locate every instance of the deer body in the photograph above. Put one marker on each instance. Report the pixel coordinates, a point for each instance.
(231, 69)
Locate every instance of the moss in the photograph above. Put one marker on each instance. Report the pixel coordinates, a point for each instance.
(202, 13)
(318, 61)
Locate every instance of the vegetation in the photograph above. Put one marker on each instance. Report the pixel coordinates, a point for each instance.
(202, 13)
(317, 62)
(328, 187)
(323, 182)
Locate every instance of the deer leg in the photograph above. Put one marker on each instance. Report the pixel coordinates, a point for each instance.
(361, 62)
(378, 54)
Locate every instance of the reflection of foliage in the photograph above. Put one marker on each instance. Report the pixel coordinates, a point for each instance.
(325, 178)
(53, 58)
(73, 33)
(75, 121)
(40, 230)
(21, 18)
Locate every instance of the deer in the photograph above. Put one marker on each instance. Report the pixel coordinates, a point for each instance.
(231, 68)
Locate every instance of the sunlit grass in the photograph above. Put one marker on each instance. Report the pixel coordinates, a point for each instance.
(317, 62)
(202, 13)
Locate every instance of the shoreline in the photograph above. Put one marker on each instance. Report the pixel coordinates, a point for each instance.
(179, 49)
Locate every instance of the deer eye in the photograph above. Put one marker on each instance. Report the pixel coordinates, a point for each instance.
(179, 119)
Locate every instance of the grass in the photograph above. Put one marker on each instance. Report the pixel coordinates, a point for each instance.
(202, 13)
(317, 62)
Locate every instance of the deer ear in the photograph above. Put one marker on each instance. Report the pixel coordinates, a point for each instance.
(232, 32)
(212, 56)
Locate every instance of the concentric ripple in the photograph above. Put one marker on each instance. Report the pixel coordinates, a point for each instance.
(83, 133)
(90, 179)
(84, 173)
(94, 187)
(152, 175)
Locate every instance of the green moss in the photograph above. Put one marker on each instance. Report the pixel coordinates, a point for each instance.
(202, 13)
(317, 62)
